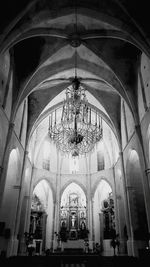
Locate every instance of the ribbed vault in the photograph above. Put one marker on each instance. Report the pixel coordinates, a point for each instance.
(43, 38)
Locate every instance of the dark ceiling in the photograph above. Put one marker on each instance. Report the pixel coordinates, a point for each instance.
(44, 36)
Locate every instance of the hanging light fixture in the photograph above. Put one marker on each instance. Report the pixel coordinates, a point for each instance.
(76, 127)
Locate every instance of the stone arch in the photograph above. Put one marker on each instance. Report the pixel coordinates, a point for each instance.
(136, 196)
(97, 184)
(73, 212)
(70, 182)
(86, 10)
(43, 191)
(101, 193)
(49, 183)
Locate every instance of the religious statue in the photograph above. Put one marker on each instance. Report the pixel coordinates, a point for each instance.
(73, 221)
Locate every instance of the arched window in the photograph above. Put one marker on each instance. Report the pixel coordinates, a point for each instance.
(46, 156)
(100, 161)
(74, 165)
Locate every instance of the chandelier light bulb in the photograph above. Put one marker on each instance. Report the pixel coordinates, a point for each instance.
(80, 126)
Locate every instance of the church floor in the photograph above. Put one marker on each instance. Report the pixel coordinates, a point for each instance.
(73, 261)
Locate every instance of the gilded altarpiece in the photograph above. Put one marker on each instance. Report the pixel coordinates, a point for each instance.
(73, 218)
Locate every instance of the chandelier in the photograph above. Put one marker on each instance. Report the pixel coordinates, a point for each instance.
(77, 127)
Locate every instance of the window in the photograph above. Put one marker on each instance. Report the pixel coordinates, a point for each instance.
(74, 165)
(100, 161)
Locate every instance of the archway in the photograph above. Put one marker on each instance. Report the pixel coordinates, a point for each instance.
(41, 218)
(73, 219)
(103, 213)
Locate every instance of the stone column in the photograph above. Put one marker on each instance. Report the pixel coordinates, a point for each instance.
(89, 204)
(146, 175)
(57, 204)
(22, 245)
(57, 211)
(116, 205)
(5, 160)
(122, 240)
(132, 244)
(19, 204)
(53, 226)
(117, 199)
(147, 195)
(13, 242)
(28, 210)
(92, 215)
(127, 212)
(20, 195)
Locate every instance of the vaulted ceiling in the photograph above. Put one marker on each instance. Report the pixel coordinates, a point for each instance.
(104, 38)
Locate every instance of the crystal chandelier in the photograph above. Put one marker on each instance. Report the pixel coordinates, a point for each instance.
(78, 126)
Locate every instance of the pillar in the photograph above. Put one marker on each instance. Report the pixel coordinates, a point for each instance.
(53, 227)
(4, 165)
(22, 245)
(127, 212)
(12, 247)
(57, 212)
(92, 215)
(146, 174)
(28, 207)
(19, 203)
(116, 206)
(57, 204)
(89, 204)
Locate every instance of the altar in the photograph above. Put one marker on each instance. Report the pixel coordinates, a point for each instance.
(73, 217)
(73, 246)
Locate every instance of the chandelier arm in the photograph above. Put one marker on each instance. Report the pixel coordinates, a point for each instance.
(80, 125)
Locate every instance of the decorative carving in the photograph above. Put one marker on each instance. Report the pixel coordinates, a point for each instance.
(108, 217)
(73, 218)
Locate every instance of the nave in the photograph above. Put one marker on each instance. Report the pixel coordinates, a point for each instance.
(74, 131)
